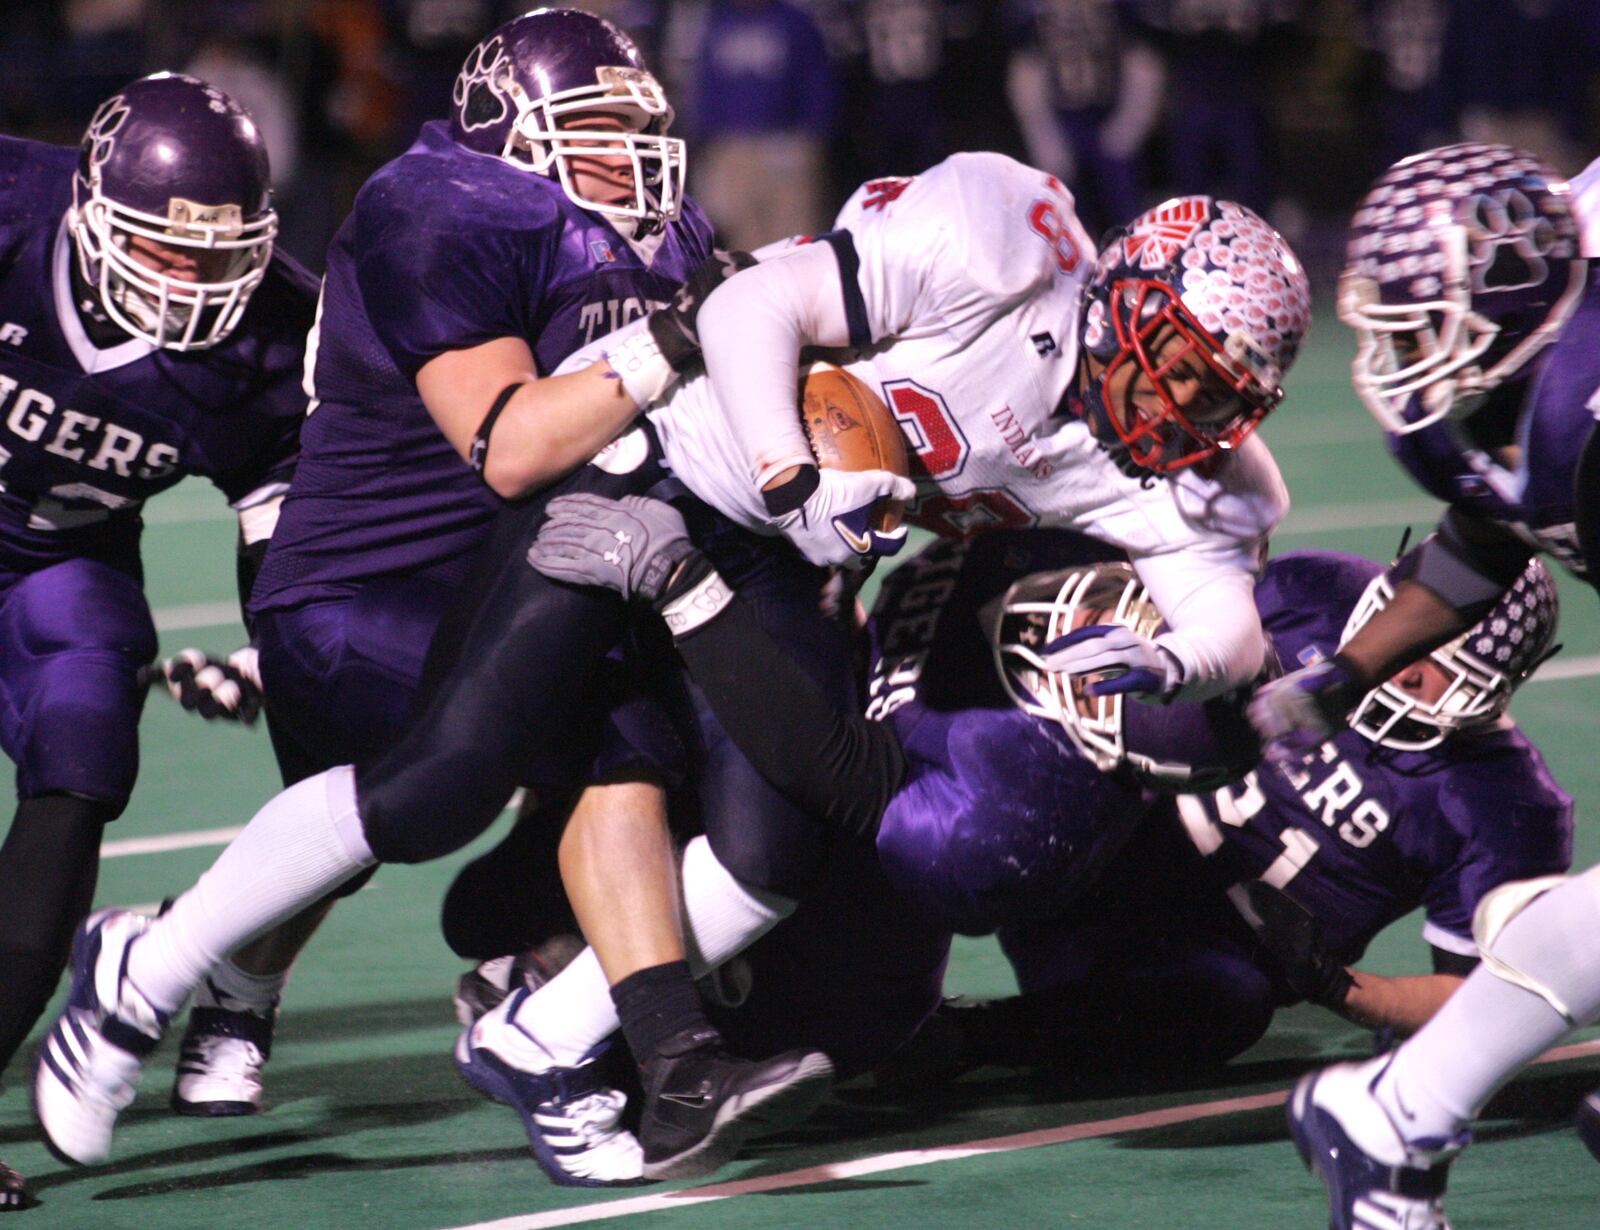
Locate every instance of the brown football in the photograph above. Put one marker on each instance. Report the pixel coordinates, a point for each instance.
(849, 428)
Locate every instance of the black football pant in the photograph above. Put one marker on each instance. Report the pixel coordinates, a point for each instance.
(521, 700)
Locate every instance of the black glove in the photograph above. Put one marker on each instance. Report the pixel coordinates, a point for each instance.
(227, 688)
(633, 545)
(676, 328)
(1291, 935)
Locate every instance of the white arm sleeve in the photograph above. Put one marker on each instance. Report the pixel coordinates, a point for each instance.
(752, 328)
(1213, 628)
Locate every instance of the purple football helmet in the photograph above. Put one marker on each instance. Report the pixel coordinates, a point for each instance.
(1462, 265)
(1229, 286)
(175, 162)
(1481, 668)
(518, 88)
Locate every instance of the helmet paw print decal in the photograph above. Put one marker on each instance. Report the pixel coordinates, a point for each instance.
(1510, 240)
(479, 92)
(103, 128)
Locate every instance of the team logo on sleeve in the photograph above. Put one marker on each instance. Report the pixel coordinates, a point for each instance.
(479, 91)
(1164, 232)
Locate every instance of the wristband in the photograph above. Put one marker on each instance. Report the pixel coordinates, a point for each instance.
(642, 368)
(698, 605)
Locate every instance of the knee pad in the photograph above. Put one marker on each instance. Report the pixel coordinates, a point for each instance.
(1489, 921)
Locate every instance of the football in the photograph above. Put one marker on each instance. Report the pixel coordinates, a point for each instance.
(849, 428)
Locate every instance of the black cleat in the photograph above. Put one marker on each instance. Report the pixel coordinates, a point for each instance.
(14, 1194)
(702, 1104)
(1589, 1122)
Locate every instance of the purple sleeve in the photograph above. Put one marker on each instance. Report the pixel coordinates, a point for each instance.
(432, 288)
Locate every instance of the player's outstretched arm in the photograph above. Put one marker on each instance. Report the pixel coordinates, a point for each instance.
(837, 766)
(522, 431)
(1402, 1004)
(1443, 586)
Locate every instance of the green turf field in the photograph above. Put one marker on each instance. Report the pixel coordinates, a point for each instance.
(368, 1126)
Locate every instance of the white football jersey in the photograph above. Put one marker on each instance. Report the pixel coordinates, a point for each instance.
(969, 286)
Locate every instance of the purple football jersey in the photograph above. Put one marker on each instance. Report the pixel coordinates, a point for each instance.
(445, 249)
(1361, 835)
(88, 434)
(1533, 499)
(1000, 817)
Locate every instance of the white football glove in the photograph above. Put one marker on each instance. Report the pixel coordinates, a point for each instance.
(1124, 660)
(229, 689)
(833, 526)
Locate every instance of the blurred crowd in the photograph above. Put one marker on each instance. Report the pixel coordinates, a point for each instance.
(1290, 106)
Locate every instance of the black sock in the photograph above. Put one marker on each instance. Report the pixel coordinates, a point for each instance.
(49, 865)
(656, 1004)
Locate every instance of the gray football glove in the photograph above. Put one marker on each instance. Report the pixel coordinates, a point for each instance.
(632, 546)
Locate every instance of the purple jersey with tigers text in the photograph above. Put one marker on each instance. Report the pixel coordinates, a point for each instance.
(1361, 835)
(446, 249)
(88, 434)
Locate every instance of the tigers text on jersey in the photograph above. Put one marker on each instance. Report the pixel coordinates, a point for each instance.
(88, 434)
(445, 249)
(1361, 835)
(1531, 495)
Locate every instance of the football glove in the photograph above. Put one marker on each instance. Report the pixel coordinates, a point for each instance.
(226, 688)
(1124, 660)
(834, 525)
(1304, 708)
(676, 327)
(1289, 932)
(632, 546)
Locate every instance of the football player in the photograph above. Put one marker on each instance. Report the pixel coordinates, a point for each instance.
(148, 331)
(1408, 808)
(547, 209)
(1044, 387)
(990, 820)
(1477, 323)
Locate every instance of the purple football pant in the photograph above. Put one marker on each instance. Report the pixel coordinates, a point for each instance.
(341, 675)
(72, 639)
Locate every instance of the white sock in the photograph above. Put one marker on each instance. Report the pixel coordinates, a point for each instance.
(300, 846)
(721, 915)
(573, 1012)
(1490, 1029)
(227, 986)
(560, 1022)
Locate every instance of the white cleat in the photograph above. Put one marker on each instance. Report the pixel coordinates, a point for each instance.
(220, 1060)
(90, 1062)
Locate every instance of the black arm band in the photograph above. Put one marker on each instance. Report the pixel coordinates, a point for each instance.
(786, 497)
(1465, 567)
(838, 767)
(478, 456)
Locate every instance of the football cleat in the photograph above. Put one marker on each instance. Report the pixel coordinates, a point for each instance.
(90, 1062)
(702, 1104)
(1375, 1180)
(220, 1061)
(573, 1121)
(1589, 1122)
(484, 987)
(14, 1194)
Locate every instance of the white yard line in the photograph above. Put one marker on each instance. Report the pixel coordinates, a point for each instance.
(921, 1157)
(195, 615)
(171, 841)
